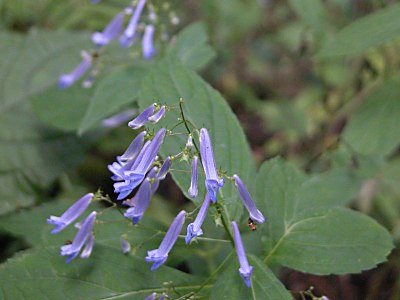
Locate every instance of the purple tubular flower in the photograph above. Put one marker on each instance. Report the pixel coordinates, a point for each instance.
(158, 115)
(147, 42)
(110, 32)
(162, 297)
(255, 214)
(245, 269)
(193, 191)
(67, 80)
(82, 237)
(134, 148)
(71, 214)
(194, 229)
(119, 118)
(128, 36)
(87, 250)
(160, 255)
(213, 182)
(125, 246)
(143, 199)
(141, 119)
(164, 169)
(151, 297)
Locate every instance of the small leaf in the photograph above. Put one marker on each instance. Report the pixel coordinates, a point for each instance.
(375, 126)
(203, 107)
(191, 47)
(367, 32)
(265, 285)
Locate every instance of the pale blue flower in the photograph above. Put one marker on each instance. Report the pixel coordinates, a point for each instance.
(245, 269)
(87, 250)
(82, 237)
(255, 214)
(194, 229)
(128, 36)
(142, 118)
(67, 80)
(134, 148)
(71, 214)
(213, 182)
(164, 169)
(142, 200)
(147, 42)
(193, 191)
(160, 255)
(110, 32)
(158, 115)
(119, 118)
(125, 246)
(151, 297)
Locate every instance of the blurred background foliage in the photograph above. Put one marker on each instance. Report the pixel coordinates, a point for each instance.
(304, 79)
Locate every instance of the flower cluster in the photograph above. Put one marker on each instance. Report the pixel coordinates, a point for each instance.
(112, 31)
(140, 168)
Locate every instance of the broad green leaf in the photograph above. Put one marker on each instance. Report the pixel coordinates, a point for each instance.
(203, 107)
(191, 47)
(365, 33)
(312, 13)
(107, 274)
(265, 285)
(112, 93)
(31, 154)
(375, 126)
(311, 236)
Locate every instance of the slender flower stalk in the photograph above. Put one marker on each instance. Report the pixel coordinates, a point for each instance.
(213, 182)
(111, 31)
(134, 148)
(194, 229)
(193, 191)
(158, 115)
(66, 80)
(71, 214)
(119, 118)
(255, 214)
(128, 36)
(125, 246)
(143, 199)
(160, 255)
(81, 238)
(245, 269)
(148, 49)
(142, 119)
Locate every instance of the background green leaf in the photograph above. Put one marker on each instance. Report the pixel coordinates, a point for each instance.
(359, 36)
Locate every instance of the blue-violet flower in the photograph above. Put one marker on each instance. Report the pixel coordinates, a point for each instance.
(142, 196)
(213, 182)
(160, 255)
(142, 118)
(125, 246)
(164, 169)
(119, 118)
(158, 115)
(147, 42)
(134, 148)
(81, 238)
(151, 297)
(101, 39)
(67, 80)
(194, 229)
(128, 36)
(255, 214)
(193, 191)
(245, 269)
(71, 214)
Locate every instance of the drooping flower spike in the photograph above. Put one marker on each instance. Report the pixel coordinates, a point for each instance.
(160, 255)
(142, 118)
(119, 118)
(194, 229)
(213, 182)
(255, 214)
(128, 36)
(245, 269)
(71, 214)
(66, 80)
(82, 238)
(111, 31)
(147, 42)
(134, 148)
(193, 191)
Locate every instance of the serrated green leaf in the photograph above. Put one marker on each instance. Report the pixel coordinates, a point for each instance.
(367, 32)
(265, 285)
(112, 93)
(375, 127)
(316, 237)
(204, 107)
(32, 155)
(191, 47)
(41, 274)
